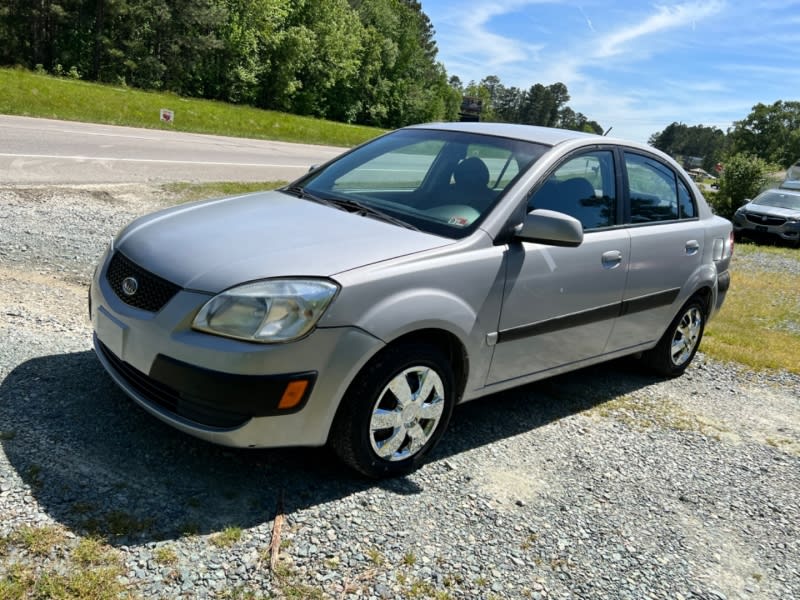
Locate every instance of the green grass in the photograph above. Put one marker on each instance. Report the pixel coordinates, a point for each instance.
(759, 324)
(31, 94)
(186, 192)
(39, 541)
(91, 570)
(166, 555)
(227, 537)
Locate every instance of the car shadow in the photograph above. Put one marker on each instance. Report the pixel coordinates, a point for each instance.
(98, 464)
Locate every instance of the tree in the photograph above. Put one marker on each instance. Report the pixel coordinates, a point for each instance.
(742, 179)
(682, 141)
(769, 132)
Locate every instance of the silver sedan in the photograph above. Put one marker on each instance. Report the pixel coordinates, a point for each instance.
(357, 306)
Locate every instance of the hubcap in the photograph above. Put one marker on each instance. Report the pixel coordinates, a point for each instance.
(686, 337)
(406, 414)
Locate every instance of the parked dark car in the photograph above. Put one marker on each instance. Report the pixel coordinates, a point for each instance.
(772, 215)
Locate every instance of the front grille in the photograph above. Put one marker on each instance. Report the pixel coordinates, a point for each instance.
(169, 399)
(757, 219)
(151, 293)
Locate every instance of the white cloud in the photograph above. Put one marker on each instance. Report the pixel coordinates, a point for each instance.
(471, 45)
(666, 17)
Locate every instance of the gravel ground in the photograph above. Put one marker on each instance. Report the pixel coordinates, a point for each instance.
(607, 483)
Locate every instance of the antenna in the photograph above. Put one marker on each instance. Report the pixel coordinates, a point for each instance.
(607, 130)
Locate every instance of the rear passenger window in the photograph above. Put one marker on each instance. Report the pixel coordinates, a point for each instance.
(685, 202)
(582, 187)
(656, 192)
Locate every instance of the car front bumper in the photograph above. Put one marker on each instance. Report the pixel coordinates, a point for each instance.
(787, 231)
(222, 390)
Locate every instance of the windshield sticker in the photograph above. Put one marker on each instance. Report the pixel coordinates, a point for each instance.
(458, 221)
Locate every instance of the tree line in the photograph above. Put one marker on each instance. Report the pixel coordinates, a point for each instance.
(370, 62)
(770, 133)
(765, 141)
(539, 105)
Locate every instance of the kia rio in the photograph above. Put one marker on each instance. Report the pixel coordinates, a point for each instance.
(355, 307)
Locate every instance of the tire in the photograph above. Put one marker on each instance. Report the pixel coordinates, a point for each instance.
(677, 347)
(385, 426)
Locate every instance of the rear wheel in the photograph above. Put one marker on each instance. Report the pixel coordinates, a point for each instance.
(677, 347)
(395, 411)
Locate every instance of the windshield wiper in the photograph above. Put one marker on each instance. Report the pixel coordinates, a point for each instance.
(366, 210)
(352, 206)
(300, 192)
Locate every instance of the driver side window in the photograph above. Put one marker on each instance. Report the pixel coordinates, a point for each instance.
(582, 187)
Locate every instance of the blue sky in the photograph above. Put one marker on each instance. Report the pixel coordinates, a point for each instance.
(634, 66)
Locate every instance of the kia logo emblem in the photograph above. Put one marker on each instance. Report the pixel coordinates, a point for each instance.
(129, 286)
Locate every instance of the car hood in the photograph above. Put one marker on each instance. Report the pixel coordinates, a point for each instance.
(773, 211)
(211, 246)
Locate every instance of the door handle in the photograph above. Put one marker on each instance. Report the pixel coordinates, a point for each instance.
(692, 247)
(611, 259)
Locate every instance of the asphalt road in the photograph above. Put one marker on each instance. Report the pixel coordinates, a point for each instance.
(44, 151)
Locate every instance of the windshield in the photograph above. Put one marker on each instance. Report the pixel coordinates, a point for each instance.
(440, 182)
(779, 200)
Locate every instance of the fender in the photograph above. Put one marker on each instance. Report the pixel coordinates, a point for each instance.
(705, 276)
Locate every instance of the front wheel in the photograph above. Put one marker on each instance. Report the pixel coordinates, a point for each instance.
(395, 411)
(677, 347)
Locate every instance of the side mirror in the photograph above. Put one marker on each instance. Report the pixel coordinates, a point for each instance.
(313, 168)
(550, 227)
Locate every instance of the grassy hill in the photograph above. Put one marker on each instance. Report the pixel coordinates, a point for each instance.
(35, 95)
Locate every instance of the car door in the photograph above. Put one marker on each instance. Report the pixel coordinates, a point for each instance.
(666, 248)
(560, 304)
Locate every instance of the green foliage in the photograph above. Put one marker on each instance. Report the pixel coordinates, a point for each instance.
(227, 537)
(28, 94)
(679, 140)
(371, 62)
(770, 132)
(742, 178)
(540, 105)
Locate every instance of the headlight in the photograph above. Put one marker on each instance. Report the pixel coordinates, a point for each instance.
(267, 311)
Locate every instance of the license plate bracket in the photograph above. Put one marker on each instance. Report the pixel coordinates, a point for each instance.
(110, 331)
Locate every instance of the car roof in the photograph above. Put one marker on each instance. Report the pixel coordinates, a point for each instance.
(530, 133)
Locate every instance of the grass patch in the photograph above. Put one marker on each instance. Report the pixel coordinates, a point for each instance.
(95, 584)
(93, 551)
(291, 589)
(227, 537)
(8, 435)
(759, 324)
(90, 571)
(375, 557)
(189, 529)
(16, 583)
(165, 555)
(39, 541)
(35, 95)
(188, 192)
